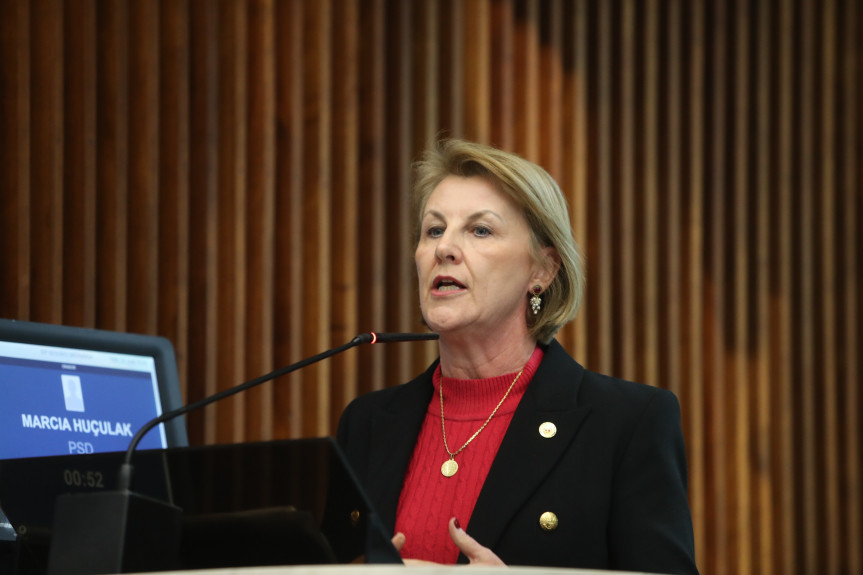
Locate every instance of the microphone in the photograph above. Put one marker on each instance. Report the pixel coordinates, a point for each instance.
(374, 338)
(371, 337)
(93, 531)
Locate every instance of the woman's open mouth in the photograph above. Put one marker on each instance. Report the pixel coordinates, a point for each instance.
(447, 284)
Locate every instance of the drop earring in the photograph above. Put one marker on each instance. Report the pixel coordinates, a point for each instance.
(535, 301)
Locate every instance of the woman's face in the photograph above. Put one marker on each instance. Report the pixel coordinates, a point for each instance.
(473, 259)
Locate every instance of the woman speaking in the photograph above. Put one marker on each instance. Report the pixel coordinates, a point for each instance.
(506, 450)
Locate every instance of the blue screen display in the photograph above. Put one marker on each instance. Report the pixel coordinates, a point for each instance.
(58, 401)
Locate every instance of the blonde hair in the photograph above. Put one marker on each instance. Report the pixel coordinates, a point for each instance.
(542, 204)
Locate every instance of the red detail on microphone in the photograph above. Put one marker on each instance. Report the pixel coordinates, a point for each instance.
(374, 337)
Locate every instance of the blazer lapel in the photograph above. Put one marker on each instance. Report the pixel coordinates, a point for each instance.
(395, 429)
(551, 397)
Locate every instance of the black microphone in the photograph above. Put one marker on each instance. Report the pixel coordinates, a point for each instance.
(72, 544)
(371, 337)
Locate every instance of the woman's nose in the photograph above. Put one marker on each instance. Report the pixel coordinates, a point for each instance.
(447, 248)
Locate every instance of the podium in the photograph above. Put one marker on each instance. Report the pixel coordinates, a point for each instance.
(270, 503)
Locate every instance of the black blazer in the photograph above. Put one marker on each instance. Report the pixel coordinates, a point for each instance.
(614, 474)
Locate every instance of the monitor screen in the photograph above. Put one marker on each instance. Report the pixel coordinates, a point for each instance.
(69, 390)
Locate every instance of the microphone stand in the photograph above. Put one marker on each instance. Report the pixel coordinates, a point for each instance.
(120, 531)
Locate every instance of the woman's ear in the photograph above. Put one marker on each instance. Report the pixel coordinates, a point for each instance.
(549, 265)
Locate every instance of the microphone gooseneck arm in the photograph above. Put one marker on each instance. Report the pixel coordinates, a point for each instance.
(125, 480)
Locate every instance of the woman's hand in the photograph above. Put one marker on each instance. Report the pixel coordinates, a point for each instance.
(399, 542)
(475, 553)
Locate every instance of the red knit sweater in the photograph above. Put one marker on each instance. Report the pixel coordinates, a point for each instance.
(428, 499)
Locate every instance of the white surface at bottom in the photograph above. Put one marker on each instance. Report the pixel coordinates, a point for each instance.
(394, 569)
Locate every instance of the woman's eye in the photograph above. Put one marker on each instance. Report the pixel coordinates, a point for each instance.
(434, 232)
(481, 231)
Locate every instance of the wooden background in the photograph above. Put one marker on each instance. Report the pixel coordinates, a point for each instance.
(234, 175)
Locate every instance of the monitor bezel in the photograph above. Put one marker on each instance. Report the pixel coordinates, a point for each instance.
(72, 337)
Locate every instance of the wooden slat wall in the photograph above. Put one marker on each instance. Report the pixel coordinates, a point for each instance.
(234, 175)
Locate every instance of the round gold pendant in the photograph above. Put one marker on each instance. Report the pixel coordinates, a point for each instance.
(449, 468)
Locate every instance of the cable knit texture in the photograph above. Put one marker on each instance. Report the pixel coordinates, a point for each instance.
(428, 499)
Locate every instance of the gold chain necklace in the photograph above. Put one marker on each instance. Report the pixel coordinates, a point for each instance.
(450, 467)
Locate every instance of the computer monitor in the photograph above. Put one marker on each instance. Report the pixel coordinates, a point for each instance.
(70, 390)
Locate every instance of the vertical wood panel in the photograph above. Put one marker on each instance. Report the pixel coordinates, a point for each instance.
(738, 237)
(805, 315)
(400, 304)
(46, 169)
(231, 221)
(15, 160)
(260, 192)
(451, 47)
(143, 233)
(477, 59)
(722, 556)
(317, 193)
(112, 126)
(600, 243)
(346, 224)
(649, 242)
(79, 133)
(852, 242)
(288, 279)
(427, 74)
(426, 79)
(671, 290)
(526, 78)
(502, 81)
(827, 226)
(372, 290)
(763, 396)
(203, 203)
(549, 134)
(782, 308)
(578, 127)
(174, 142)
(630, 260)
(694, 410)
